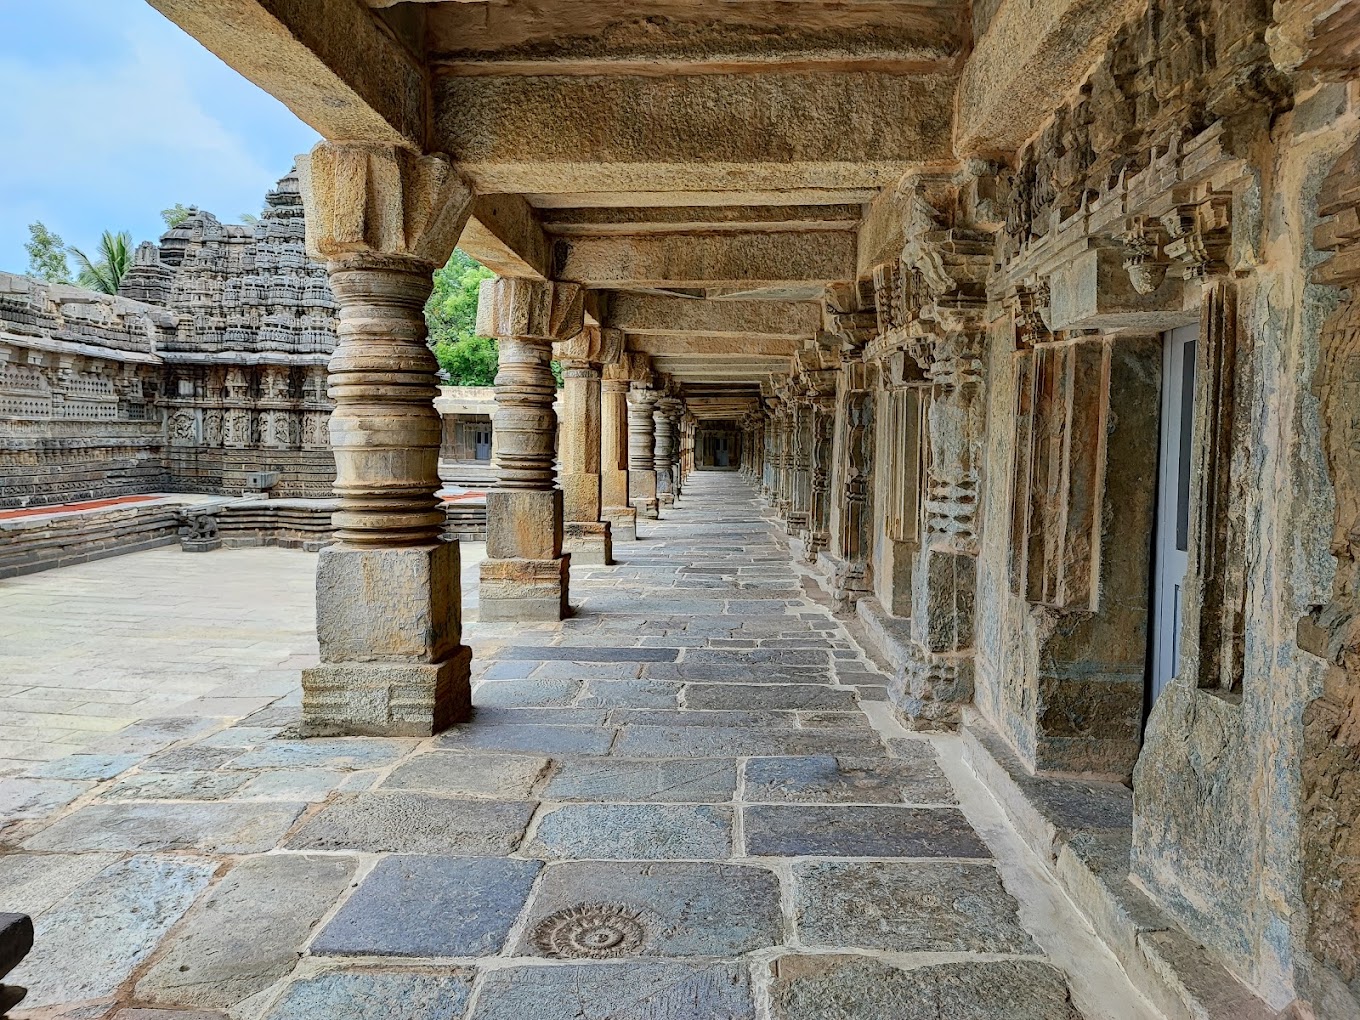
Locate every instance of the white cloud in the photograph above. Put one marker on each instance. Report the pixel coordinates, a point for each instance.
(109, 145)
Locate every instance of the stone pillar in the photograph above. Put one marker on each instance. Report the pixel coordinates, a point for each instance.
(663, 454)
(388, 601)
(855, 539)
(525, 576)
(587, 537)
(823, 426)
(615, 508)
(642, 481)
(800, 461)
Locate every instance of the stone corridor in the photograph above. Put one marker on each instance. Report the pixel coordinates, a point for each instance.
(686, 802)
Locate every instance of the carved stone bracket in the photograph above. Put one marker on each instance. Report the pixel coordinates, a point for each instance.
(380, 200)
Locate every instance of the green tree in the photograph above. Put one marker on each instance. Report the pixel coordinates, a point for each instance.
(451, 316)
(176, 215)
(46, 255)
(114, 259)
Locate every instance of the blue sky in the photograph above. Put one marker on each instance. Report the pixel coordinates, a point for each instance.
(112, 113)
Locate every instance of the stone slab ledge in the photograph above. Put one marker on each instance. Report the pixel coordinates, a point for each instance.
(1082, 829)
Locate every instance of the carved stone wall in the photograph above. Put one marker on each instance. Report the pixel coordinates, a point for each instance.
(1331, 632)
(210, 366)
(1180, 185)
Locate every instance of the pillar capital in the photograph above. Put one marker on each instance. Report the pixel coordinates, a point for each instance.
(530, 311)
(596, 346)
(371, 204)
(631, 367)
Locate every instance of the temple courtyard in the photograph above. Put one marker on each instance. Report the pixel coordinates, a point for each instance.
(687, 801)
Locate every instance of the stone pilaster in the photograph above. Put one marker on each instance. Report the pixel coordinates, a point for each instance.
(525, 576)
(823, 430)
(642, 481)
(388, 598)
(587, 537)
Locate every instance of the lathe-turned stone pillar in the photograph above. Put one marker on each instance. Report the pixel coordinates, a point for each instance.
(525, 576)
(663, 454)
(615, 508)
(586, 537)
(388, 601)
(642, 481)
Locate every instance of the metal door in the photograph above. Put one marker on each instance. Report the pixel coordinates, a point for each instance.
(1173, 502)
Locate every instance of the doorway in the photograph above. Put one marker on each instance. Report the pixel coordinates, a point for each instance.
(722, 455)
(481, 444)
(1172, 550)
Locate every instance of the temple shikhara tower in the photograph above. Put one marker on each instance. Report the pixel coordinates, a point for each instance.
(922, 512)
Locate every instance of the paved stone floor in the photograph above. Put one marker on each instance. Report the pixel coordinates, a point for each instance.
(688, 802)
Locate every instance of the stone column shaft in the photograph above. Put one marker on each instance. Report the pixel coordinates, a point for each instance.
(587, 537)
(616, 509)
(663, 453)
(642, 480)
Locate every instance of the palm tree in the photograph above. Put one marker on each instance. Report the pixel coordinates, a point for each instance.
(115, 259)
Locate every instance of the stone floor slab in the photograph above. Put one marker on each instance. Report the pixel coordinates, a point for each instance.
(177, 786)
(864, 988)
(734, 742)
(530, 739)
(806, 830)
(497, 776)
(751, 697)
(431, 906)
(634, 832)
(617, 991)
(22, 798)
(331, 753)
(415, 823)
(370, 993)
(220, 828)
(89, 943)
(248, 933)
(916, 907)
(824, 779)
(526, 693)
(629, 694)
(702, 780)
(601, 910)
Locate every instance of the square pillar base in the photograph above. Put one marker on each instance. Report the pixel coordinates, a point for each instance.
(387, 699)
(524, 591)
(622, 522)
(589, 542)
(389, 625)
(649, 508)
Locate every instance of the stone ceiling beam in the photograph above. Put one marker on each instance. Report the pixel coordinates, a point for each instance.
(1031, 55)
(628, 198)
(671, 219)
(694, 345)
(535, 134)
(503, 234)
(656, 36)
(658, 316)
(329, 61)
(694, 260)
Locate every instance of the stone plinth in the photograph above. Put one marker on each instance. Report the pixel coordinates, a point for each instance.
(524, 590)
(389, 624)
(590, 542)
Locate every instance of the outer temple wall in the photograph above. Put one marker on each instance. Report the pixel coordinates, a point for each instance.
(1244, 786)
(210, 368)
